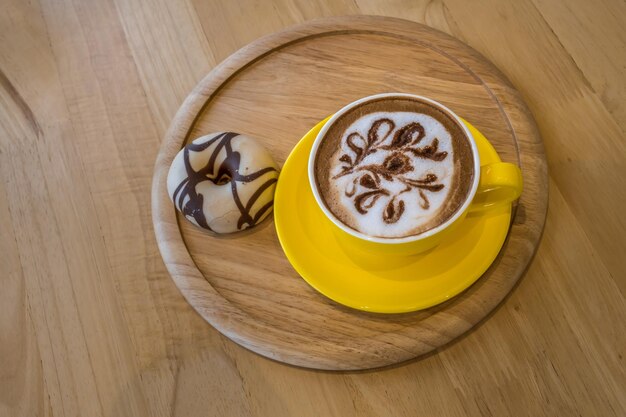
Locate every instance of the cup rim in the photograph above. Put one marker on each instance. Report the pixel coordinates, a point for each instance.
(406, 239)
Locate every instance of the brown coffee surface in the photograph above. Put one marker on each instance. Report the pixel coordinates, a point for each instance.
(402, 181)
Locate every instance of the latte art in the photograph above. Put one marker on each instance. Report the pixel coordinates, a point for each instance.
(394, 173)
(392, 164)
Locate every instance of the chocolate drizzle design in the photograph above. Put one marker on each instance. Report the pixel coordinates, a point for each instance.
(403, 143)
(226, 172)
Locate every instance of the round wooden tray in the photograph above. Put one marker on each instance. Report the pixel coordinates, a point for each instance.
(276, 89)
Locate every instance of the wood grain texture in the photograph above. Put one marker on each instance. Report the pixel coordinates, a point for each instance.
(93, 324)
(244, 286)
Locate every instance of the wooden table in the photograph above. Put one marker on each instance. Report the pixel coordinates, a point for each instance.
(91, 323)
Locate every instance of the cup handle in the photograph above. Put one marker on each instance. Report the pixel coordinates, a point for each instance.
(500, 183)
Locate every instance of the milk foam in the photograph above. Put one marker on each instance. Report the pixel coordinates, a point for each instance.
(420, 204)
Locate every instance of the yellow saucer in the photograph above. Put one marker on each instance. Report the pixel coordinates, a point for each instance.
(373, 282)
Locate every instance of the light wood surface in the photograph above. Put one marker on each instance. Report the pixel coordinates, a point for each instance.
(93, 325)
(244, 286)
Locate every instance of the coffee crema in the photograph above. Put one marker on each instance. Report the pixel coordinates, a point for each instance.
(394, 167)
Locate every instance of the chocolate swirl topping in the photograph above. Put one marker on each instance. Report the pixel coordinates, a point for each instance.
(226, 172)
(402, 146)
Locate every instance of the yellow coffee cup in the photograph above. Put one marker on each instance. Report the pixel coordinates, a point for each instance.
(491, 185)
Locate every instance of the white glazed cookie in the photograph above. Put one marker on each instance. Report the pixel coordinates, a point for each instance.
(223, 182)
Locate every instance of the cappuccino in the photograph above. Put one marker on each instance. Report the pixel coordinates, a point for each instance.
(394, 167)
